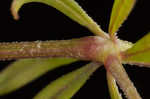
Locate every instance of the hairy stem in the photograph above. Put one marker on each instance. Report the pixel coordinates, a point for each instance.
(84, 48)
(114, 66)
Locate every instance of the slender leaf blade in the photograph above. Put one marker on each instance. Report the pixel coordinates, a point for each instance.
(120, 12)
(113, 89)
(66, 86)
(124, 45)
(24, 71)
(139, 53)
(69, 7)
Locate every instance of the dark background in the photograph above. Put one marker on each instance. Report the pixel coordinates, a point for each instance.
(41, 22)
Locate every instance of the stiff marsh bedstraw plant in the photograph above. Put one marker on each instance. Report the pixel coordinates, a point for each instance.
(36, 58)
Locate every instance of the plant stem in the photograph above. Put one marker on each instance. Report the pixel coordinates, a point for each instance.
(114, 66)
(84, 48)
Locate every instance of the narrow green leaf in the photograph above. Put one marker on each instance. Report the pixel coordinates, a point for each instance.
(113, 89)
(140, 52)
(69, 7)
(66, 86)
(24, 71)
(124, 45)
(120, 12)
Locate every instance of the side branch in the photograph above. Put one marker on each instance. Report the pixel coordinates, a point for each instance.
(84, 48)
(114, 66)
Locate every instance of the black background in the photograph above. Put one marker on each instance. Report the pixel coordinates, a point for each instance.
(41, 22)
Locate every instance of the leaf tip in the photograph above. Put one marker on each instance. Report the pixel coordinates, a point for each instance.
(14, 10)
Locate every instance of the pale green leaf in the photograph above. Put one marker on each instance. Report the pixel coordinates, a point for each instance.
(113, 89)
(66, 86)
(140, 52)
(69, 7)
(120, 11)
(24, 71)
(124, 45)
